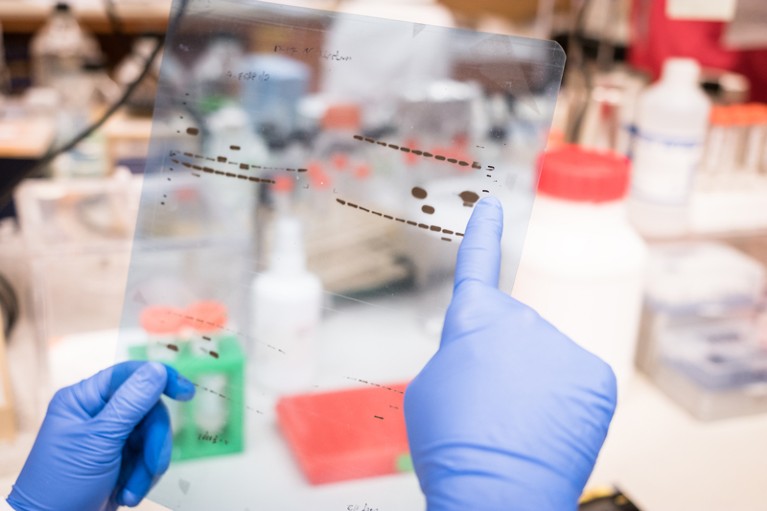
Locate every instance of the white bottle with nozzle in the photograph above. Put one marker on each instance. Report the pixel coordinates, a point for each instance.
(672, 119)
(286, 303)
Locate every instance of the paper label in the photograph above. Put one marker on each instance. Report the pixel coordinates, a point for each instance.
(663, 168)
(709, 10)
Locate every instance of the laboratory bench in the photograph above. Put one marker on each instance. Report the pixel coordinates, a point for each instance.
(661, 457)
(658, 454)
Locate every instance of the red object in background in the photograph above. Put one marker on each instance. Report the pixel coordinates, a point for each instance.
(206, 316)
(655, 37)
(346, 434)
(578, 174)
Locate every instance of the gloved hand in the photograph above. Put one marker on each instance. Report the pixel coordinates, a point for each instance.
(104, 441)
(509, 414)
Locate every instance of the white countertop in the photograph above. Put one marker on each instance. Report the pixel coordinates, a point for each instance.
(661, 457)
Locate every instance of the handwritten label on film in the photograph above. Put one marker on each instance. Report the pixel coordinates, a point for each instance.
(335, 56)
(357, 507)
(249, 76)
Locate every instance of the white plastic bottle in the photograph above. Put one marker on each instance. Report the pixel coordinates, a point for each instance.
(286, 303)
(582, 262)
(672, 120)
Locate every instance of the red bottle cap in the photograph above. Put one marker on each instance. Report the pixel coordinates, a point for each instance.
(584, 175)
(206, 316)
(159, 320)
(722, 116)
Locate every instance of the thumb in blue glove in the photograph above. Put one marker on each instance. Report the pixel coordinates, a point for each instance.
(509, 413)
(104, 441)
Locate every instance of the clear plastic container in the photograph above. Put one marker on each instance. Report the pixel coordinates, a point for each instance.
(701, 329)
(207, 321)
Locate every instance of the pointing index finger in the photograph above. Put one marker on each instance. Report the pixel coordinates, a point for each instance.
(479, 257)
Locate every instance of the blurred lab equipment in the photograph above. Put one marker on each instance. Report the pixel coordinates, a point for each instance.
(408, 62)
(196, 342)
(656, 37)
(78, 234)
(78, 102)
(213, 71)
(702, 338)
(108, 428)
(582, 260)
(60, 48)
(271, 95)
(731, 188)
(725, 87)
(129, 69)
(339, 166)
(672, 118)
(609, 118)
(735, 145)
(286, 304)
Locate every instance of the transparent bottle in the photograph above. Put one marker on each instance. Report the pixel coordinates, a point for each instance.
(60, 47)
(164, 341)
(208, 320)
(77, 106)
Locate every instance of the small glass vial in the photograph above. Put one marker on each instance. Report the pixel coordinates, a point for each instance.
(163, 326)
(206, 324)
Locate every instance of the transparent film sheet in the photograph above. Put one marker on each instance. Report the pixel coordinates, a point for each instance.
(309, 180)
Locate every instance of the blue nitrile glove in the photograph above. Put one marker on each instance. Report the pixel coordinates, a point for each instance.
(509, 414)
(104, 441)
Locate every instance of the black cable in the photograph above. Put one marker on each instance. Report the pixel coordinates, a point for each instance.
(13, 181)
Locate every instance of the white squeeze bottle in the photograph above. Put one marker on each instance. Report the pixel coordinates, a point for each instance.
(672, 120)
(286, 304)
